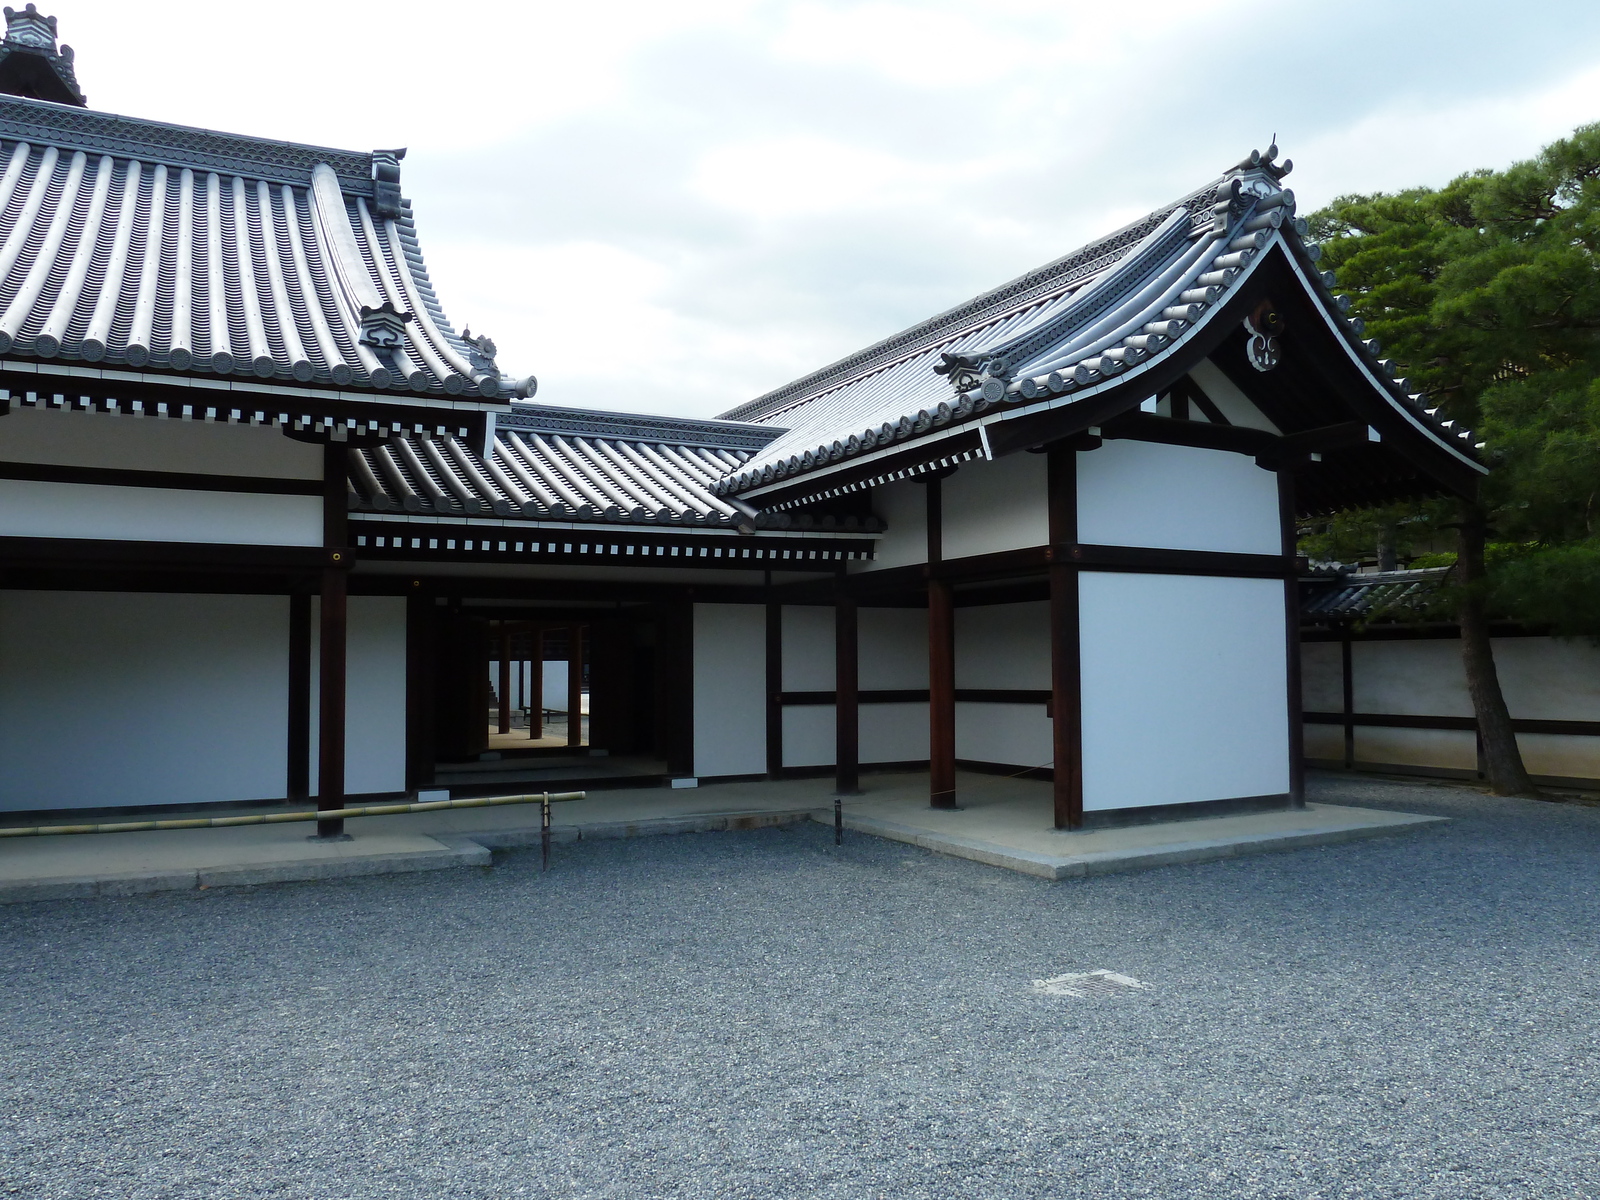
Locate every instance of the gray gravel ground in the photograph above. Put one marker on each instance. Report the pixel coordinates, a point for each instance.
(761, 1015)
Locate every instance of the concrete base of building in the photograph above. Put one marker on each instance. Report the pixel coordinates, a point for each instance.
(1003, 822)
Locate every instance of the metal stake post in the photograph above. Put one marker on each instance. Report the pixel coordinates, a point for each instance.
(544, 835)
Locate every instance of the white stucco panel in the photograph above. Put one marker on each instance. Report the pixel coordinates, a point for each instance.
(374, 696)
(110, 699)
(730, 714)
(141, 514)
(1003, 645)
(1176, 498)
(891, 648)
(903, 505)
(808, 649)
(992, 506)
(1184, 689)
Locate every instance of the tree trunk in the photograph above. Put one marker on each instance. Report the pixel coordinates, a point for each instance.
(1502, 758)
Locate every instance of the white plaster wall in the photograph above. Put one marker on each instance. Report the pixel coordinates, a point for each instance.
(1558, 754)
(1014, 734)
(375, 694)
(79, 510)
(892, 733)
(1176, 498)
(808, 649)
(903, 505)
(1548, 678)
(1321, 677)
(1230, 401)
(990, 506)
(1456, 748)
(113, 440)
(1003, 645)
(1421, 678)
(555, 684)
(808, 735)
(1184, 689)
(891, 648)
(113, 699)
(1325, 742)
(730, 714)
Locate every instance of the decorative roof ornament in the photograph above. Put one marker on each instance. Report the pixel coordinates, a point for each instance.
(386, 182)
(480, 352)
(1264, 325)
(384, 327)
(30, 64)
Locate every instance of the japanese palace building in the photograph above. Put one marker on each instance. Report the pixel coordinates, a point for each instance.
(271, 528)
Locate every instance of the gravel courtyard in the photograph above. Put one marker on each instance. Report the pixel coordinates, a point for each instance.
(761, 1014)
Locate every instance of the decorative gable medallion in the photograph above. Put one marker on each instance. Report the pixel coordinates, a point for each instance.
(1264, 325)
(384, 327)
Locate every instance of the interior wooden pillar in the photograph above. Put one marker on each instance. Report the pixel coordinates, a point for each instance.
(941, 661)
(847, 726)
(331, 679)
(774, 688)
(574, 685)
(677, 671)
(299, 776)
(504, 687)
(536, 687)
(1066, 683)
(1291, 633)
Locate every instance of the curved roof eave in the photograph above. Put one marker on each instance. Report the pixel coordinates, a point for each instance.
(1437, 451)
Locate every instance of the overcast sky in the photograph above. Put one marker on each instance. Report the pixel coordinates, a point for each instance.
(676, 205)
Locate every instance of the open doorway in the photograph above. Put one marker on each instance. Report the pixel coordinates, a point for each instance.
(546, 695)
(539, 686)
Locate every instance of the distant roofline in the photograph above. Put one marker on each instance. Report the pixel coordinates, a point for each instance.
(44, 121)
(645, 427)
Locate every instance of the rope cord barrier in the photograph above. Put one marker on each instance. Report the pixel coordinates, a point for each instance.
(331, 814)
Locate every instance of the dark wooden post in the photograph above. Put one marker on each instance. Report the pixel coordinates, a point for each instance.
(847, 727)
(678, 681)
(574, 685)
(941, 662)
(774, 687)
(1066, 676)
(1291, 639)
(420, 622)
(299, 779)
(505, 677)
(331, 692)
(536, 686)
(1347, 680)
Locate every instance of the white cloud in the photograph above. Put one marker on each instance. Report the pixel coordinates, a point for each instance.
(675, 207)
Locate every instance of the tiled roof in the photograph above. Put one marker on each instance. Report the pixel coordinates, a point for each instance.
(162, 247)
(567, 465)
(1396, 595)
(1059, 332)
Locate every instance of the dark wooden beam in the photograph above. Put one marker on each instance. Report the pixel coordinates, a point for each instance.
(1066, 683)
(941, 660)
(1291, 640)
(774, 689)
(331, 678)
(503, 683)
(574, 685)
(299, 778)
(847, 723)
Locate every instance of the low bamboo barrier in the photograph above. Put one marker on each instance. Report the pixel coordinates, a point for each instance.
(544, 799)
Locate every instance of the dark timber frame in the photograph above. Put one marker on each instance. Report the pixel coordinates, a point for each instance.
(331, 677)
(1066, 683)
(941, 658)
(847, 725)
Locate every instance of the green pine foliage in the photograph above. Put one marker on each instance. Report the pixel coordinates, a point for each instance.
(1486, 293)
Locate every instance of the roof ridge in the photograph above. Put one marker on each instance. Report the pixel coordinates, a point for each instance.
(277, 161)
(648, 427)
(983, 308)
